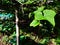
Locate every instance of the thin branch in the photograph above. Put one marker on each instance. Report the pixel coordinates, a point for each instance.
(22, 9)
(17, 28)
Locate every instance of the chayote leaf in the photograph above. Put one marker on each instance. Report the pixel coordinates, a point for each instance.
(41, 8)
(49, 15)
(38, 15)
(34, 23)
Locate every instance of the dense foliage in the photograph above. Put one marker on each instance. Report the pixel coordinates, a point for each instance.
(39, 22)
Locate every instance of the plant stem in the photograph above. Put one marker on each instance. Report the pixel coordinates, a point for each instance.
(17, 28)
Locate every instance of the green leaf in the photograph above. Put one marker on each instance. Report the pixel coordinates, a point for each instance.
(26, 1)
(38, 15)
(41, 8)
(49, 15)
(34, 23)
(58, 40)
(4, 29)
(29, 2)
(20, 1)
(1, 26)
(21, 37)
(30, 15)
(42, 41)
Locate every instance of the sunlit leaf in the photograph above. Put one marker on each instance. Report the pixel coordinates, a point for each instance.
(38, 15)
(41, 8)
(34, 23)
(49, 15)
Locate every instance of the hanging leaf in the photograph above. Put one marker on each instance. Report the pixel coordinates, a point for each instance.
(38, 15)
(49, 15)
(34, 23)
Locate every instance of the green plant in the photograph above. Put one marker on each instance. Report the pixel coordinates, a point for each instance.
(41, 14)
(26, 1)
